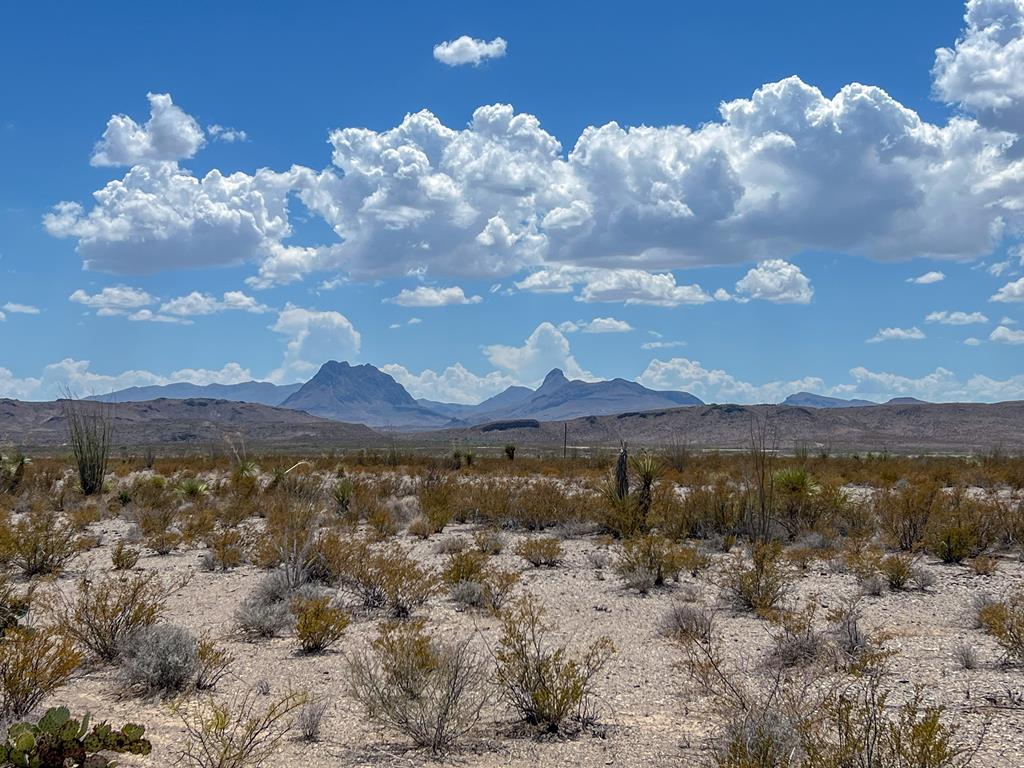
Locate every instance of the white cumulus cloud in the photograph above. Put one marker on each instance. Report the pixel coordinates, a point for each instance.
(927, 278)
(1005, 335)
(312, 338)
(955, 318)
(546, 348)
(777, 281)
(469, 50)
(426, 296)
(897, 334)
(169, 134)
(1013, 291)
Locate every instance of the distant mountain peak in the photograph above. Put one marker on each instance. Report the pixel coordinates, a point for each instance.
(555, 378)
(813, 400)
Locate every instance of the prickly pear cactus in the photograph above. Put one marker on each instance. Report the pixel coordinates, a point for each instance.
(57, 740)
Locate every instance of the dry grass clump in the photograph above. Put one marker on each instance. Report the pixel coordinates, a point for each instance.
(543, 683)
(432, 692)
(540, 551)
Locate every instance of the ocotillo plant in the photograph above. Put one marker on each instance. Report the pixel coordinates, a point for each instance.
(621, 474)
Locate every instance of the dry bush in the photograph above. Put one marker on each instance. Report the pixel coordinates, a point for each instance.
(796, 641)
(898, 569)
(646, 562)
(961, 527)
(708, 511)
(124, 557)
(162, 659)
(489, 540)
(225, 549)
(310, 718)
(33, 664)
(1004, 621)
(465, 566)
(541, 504)
(157, 526)
(904, 513)
(14, 603)
(984, 565)
(242, 733)
(545, 684)
(103, 613)
(318, 623)
(432, 692)
(89, 433)
(688, 621)
(43, 542)
(214, 663)
(435, 493)
(265, 611)
(541, 551)
(377, 576)
(760, 585)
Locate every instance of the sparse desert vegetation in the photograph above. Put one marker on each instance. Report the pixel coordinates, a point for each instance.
(758, 608)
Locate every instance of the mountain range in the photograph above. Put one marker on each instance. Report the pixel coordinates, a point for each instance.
(363, 394)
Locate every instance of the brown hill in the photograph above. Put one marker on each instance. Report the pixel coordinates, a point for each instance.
(186, 424)
(946, 427)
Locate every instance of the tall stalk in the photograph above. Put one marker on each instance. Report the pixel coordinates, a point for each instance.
(89, 433)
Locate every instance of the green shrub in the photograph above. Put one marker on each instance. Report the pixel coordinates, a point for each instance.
(318, 623)
(761, 585)
(545, 685)
(33, 663)
(44, 541)
(432, 692)
(541, 551)
(646, 562)
(104, 613)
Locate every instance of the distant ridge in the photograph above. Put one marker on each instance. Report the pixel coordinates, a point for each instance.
(260, 392)
(811, 400)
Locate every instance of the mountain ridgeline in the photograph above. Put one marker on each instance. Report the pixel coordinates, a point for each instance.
(363, 394)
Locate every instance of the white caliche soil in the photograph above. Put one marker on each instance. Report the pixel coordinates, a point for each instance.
(650, 713)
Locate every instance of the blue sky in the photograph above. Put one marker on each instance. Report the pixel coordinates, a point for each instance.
(735, 201)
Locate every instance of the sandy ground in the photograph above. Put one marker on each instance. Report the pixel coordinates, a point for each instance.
(650, 714)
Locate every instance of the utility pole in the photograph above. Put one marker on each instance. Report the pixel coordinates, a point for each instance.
(565, 439)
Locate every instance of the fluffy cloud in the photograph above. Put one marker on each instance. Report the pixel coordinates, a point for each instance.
(955, 318)
(940, 385)
(197, 303)
(160, 217)
(20, 309)
(1006, 335)
(606, 325)
(229, 135)
(972, 341)
(313, 337)
(169, 134)
(927, 278)
(1013, 291)
(546, 348)
(984, 71)
(897, 334)
(784, 171)
(647, 345)
(16, 388)
(113, 299)
(469, 50)
(777, 281)
(719, 386)
(626, 286)
(455, 384)
(149, 316)
(425, 296)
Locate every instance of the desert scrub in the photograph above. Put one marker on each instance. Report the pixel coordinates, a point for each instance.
(33, 664)
(435, 493)
(795, 640)
(241, 733)
(43, 542)
(265, 611)
(14, 603)
(385, 577)
(225, 548)
(1004, 621)
(760, 585)
(319, 623)
(124, 557)
(103, 613)
(646, 562)
(161, 659)
(904, 513)
(541, 551)
(430, 691)
(545, 684)
(56, 740)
